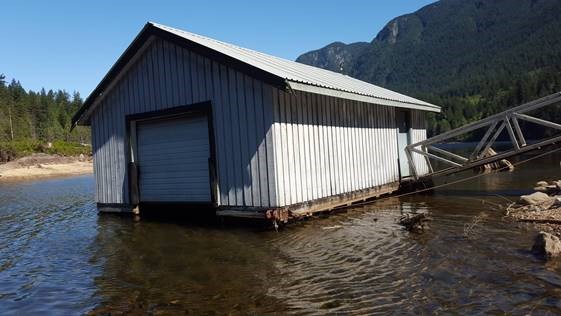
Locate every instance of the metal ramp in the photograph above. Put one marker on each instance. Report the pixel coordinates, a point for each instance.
(454, 162)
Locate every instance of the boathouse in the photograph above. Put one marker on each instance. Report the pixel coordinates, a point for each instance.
(185, 119)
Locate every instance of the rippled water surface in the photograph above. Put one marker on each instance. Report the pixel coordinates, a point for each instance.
(58, 256)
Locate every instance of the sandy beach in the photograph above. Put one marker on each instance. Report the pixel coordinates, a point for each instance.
(44, 166)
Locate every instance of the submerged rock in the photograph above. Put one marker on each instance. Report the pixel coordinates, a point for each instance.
(548, 189)
(542, 184)
(535, 198)
(546, 245)
(551, 187)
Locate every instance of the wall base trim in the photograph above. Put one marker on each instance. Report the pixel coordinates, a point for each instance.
(308, 208)
(340, 200)
(115, 208)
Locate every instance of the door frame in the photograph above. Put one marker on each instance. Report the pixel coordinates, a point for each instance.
(191, 110)
(408, 116)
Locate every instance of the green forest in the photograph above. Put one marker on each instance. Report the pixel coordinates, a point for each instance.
(484, 98)
(32, 121)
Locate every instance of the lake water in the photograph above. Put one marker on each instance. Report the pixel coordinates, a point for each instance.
(58, 256)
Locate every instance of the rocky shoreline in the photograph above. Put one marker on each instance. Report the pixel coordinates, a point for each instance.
(542, 209)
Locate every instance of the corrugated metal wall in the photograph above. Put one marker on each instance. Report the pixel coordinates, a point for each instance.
(273, 148)
(419, 133)
(169, 76)
(331, 146)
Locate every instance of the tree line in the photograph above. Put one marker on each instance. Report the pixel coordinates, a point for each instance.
(42, 116)
(478, 99)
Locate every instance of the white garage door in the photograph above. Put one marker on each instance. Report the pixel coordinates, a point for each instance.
(173, 157)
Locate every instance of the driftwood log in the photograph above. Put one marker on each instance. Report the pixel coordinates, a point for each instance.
(415, 222)
(502, 164)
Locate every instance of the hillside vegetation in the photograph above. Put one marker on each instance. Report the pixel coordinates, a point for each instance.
(472, 57)
(38, 122)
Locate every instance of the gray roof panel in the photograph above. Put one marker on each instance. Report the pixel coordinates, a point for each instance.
(293, 71)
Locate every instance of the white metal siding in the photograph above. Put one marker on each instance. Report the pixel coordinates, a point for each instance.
(167, 76)
(173, 157)
(419, 133)
(326, 146)
(403, 121)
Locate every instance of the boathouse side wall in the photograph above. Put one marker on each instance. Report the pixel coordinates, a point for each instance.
(331, 146)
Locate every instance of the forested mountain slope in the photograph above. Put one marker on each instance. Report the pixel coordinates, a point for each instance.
(473, 57)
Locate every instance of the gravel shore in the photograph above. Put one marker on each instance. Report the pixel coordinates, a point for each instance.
(44, 165)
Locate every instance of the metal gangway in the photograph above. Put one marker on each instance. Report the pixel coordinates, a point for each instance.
(453, 162)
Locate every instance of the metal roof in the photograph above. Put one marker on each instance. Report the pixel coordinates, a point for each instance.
(280, 72)
(299, 73)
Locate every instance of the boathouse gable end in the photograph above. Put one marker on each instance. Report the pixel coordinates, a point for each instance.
(167, 76)
(208, 123)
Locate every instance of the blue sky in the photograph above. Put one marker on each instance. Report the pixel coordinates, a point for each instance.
(71, 44)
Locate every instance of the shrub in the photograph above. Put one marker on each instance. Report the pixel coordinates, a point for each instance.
(15, 149)
(69, 149)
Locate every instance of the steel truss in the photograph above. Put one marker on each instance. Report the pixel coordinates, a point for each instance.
(495, 124)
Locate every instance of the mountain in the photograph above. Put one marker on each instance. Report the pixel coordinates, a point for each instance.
(336, 56)
(473, 57)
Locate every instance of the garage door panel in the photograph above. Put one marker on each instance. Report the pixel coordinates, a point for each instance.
(173, 156)
(173, 147)
(170, 170)
(175, 164)
(176, 191)
(174, 198)
(195, 124)
(171, 181)
(173, 153)
(164, 142)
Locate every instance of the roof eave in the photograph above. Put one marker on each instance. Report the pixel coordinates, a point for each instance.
(362, 98)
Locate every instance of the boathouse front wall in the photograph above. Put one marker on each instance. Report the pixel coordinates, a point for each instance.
(167, 76)
(272, 147)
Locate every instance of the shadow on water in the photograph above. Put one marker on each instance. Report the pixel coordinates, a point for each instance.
(201, 216)
(57, 255)
(196, 216)
(168, 267)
